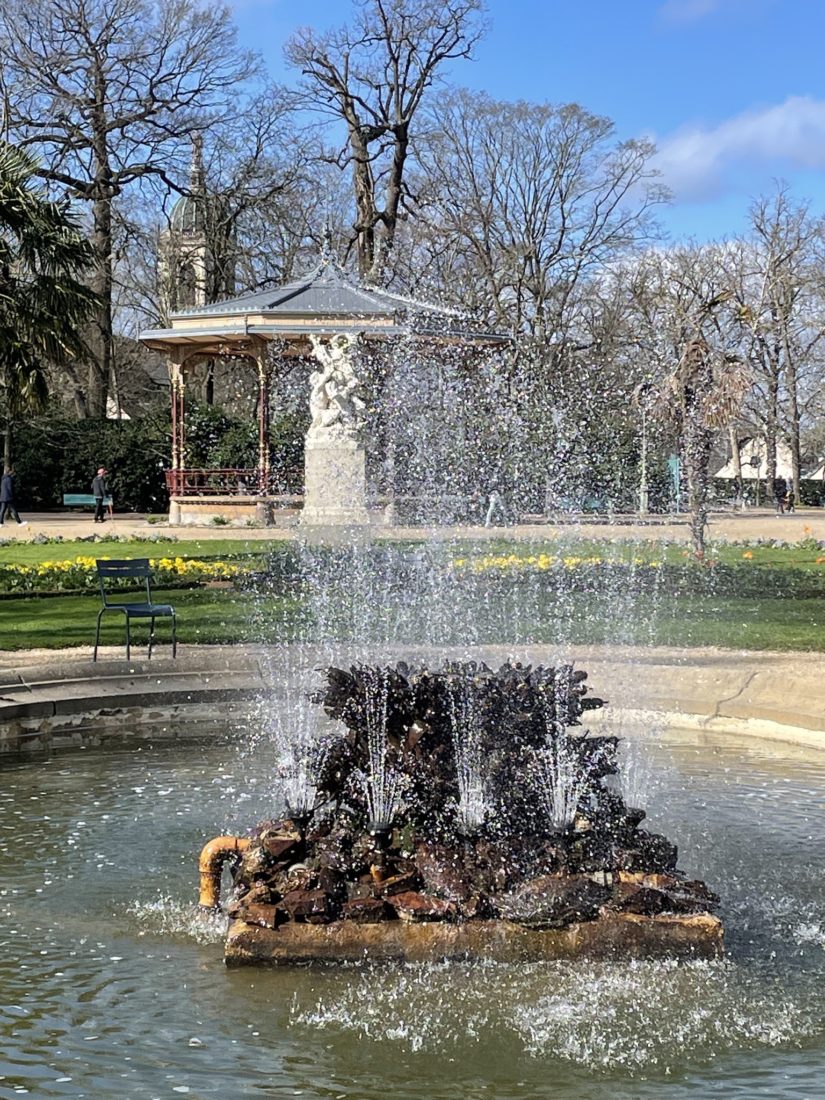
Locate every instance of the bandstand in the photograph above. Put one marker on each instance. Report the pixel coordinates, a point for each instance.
(323, 318)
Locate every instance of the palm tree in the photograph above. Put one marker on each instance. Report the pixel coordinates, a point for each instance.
(44, 302)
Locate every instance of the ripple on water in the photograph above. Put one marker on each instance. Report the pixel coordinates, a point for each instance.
(168, 916)
(632, 1015)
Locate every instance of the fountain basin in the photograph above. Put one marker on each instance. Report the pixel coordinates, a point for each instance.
(64, 701)
(613, 935)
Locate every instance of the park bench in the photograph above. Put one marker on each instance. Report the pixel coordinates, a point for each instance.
(119, 569)
(75, 500)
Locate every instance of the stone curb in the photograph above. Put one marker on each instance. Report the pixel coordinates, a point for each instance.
(72, 701)
(50, 701)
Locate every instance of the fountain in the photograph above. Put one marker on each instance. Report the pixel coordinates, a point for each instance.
(455, 811)
(467, 751)
(456, 815)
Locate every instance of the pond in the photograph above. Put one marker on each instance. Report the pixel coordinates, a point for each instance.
(113, 985)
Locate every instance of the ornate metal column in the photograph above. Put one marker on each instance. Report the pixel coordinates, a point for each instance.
(177, 388)
(264, 417)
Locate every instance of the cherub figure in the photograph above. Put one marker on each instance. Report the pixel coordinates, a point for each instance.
(334, 403)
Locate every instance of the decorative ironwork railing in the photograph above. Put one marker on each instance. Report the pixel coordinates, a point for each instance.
(205, 482)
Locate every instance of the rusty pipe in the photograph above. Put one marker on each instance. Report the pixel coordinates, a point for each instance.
(210, 865)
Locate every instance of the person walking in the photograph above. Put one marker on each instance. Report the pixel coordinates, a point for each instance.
(780, 494)
(100, 491)
(7, 504)
(496, 503)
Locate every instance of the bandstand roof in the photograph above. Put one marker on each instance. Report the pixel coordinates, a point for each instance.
(323, 302)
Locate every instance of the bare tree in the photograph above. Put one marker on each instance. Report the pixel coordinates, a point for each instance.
(251, 200)
(103, 91)
(784, 314)
(690, 332)
(525, 202)
(374, 76)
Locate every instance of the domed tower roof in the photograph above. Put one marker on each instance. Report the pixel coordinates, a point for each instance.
(188, 215)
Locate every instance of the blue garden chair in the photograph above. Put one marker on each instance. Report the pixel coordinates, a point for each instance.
(114, 570)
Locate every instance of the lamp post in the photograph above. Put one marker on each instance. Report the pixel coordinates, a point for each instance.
(674, 466)
(643, 489)
(641, 397)
(553, 499)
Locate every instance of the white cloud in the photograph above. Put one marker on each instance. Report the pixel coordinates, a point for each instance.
(697, 162)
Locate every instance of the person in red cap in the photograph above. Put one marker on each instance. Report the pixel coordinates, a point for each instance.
(100, 491)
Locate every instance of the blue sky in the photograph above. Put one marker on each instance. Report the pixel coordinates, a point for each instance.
(732, 91)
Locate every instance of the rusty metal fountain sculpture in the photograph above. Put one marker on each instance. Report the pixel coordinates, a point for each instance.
(457, 815)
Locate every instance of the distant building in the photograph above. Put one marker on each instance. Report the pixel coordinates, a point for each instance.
(196, 252)
(756, 448)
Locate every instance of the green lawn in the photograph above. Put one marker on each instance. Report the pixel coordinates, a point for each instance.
(214, 616)
(204, 616)
(773, 598)
(802, 554)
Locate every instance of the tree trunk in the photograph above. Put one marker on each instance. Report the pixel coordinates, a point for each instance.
(100, 365)
(115, 387)
(698, 443)
(101, 192)
(8, 437)
(364, 187)
(697, 437)
(793, 416)
(736, 461)
(383, 241)
(77, 390)
(771, 432)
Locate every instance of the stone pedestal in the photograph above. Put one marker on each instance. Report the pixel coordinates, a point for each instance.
(612, 936)
(335, 483)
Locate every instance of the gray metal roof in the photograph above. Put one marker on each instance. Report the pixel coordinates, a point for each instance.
(322, 303)
(219, 332)
(326, 291)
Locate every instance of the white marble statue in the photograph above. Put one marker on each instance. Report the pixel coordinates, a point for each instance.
(335, 405)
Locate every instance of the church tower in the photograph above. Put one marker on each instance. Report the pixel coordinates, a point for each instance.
(185, 265)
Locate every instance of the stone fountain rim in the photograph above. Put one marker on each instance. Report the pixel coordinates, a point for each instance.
(777, 696)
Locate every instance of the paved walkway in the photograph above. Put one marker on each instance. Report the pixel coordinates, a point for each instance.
(756, 523)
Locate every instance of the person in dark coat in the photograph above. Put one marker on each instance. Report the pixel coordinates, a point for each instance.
(7, 505)
(100, 491)
(780, 494)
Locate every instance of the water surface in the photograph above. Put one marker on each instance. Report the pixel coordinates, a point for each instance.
(112, 986)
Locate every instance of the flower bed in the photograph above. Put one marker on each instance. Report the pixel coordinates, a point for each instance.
(541, 563)
(744, 578)
(80, 574)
